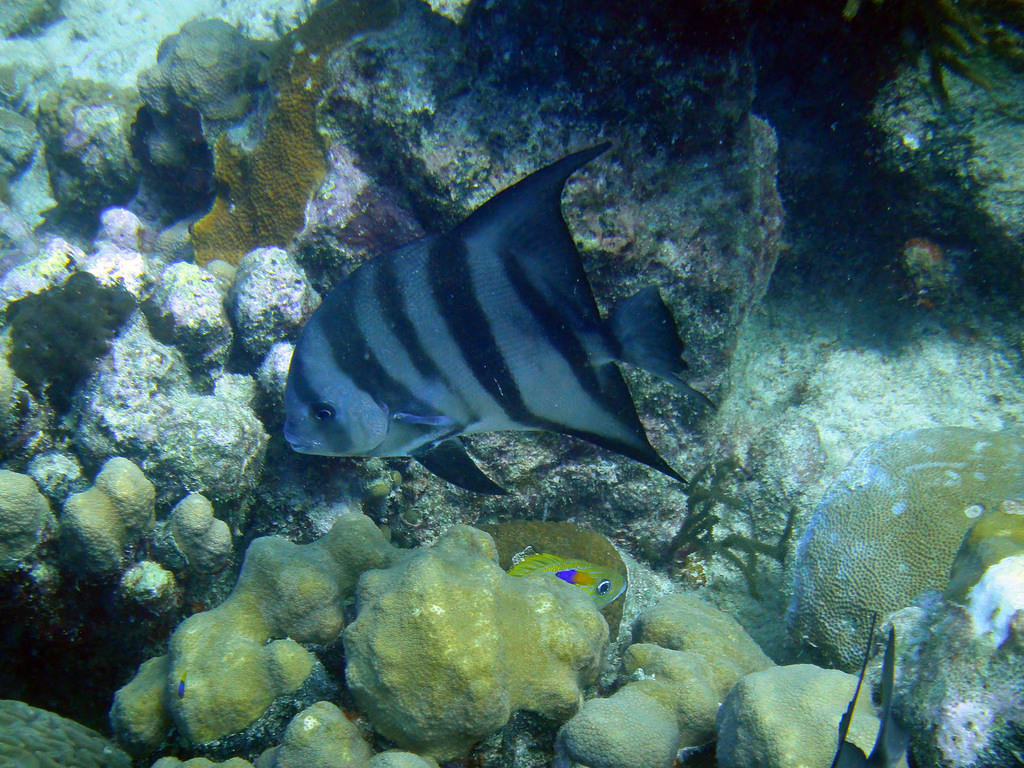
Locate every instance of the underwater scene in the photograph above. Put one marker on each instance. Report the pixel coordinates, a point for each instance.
(511, 383)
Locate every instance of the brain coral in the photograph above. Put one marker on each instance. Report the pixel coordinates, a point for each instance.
(446, 646)
(35, 738)
(890, 527)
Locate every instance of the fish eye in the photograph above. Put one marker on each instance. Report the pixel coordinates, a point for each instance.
(322, 411)
(604, 586)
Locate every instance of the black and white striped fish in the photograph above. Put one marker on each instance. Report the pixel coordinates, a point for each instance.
(491, 326)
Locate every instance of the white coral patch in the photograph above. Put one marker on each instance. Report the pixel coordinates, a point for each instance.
(997, 597)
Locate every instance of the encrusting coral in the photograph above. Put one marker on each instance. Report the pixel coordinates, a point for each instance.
(268, 187)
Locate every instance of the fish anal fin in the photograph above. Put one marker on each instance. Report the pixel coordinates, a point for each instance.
(535, 564)
(449, 461)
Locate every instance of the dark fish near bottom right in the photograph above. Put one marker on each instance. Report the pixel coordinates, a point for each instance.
(890, 748)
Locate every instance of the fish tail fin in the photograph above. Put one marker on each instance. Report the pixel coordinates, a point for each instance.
(646, 336)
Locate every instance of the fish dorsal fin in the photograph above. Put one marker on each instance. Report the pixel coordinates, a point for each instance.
(849, 755)
(525, 222)
(539, 563)
(449, 461)
(891, 744)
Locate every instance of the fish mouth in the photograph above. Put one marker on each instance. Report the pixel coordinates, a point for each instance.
(302, 445)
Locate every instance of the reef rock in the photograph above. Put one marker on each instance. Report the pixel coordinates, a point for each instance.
(270, 300)
(138, 403)
(86, 127)
(446, 646)
(960, 691)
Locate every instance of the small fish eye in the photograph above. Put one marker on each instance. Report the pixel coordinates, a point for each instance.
(603, 587)
(323, 411)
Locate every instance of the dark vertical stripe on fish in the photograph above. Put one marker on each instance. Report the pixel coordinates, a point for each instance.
(557, 331)
(352, 354)
(451, 284)
(387, 288)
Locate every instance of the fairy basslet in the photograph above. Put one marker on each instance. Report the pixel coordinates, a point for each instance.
(602, 584)
(491, 326)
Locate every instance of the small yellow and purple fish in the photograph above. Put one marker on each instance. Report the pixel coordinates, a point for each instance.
(181, 686)
(602, 584)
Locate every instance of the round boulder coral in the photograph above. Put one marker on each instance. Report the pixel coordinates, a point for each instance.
(24, 518)
(890, 526)
(209, 66)
(100, 523)
(788, 717)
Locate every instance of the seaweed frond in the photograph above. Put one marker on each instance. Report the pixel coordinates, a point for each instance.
(957, 35)
(695, 539)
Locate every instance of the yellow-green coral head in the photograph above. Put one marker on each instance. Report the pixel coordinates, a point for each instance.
(602, 584)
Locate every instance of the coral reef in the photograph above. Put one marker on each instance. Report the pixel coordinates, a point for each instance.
(25, 519)
(99, 524)
(86, 126)
(268, 187)
(139, 403)
(960, 690)
(446, 646)
(35, 737)
(890, 526)
(270, 299)
(687, 657)
(56, 335)
(225, 666)
(186, 310)
(786, 717)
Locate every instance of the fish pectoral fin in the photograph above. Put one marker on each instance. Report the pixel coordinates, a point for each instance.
(449, 461)
(424, 419)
